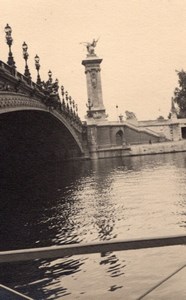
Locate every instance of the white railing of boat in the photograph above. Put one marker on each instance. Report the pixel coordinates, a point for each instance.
(7, 293)
(89, 248)
(98, 247)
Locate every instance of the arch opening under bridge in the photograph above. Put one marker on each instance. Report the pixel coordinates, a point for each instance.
(36, 135)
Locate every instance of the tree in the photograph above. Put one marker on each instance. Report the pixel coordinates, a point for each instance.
(180, 94)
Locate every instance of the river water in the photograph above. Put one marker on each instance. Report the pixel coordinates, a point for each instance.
(56, 204)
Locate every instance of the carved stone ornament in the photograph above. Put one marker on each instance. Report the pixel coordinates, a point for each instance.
(4, 86)
(7, 101)
(97, 115)
(94, 79)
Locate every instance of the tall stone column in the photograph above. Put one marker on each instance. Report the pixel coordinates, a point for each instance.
(96, 109)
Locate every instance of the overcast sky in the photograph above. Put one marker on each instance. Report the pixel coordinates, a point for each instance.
(142, 43)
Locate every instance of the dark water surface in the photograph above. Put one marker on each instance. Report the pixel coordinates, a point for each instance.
(60, 203)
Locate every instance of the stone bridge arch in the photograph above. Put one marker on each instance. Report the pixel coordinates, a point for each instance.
(65, 136)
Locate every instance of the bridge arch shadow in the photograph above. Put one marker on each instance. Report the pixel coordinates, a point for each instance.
(36, 135)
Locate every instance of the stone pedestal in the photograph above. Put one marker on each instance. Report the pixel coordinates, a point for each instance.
(96, 109)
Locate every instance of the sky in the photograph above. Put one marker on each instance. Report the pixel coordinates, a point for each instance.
(141, 42)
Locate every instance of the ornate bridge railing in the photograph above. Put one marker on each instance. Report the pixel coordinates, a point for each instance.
(13, 83)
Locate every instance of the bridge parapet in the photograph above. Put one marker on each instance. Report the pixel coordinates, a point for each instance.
(12, 100)
(17, 90)
(13, 81)
(19, 93)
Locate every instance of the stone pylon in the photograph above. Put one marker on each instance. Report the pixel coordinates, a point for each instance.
(96, 109)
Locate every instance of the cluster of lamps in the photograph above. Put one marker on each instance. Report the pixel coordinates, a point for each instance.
(70, 103)
(11, 62)
(25, 56)
(9, 41)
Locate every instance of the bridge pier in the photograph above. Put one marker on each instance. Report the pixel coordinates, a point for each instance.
(121, 138)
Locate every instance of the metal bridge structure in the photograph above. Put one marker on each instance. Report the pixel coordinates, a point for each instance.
(35, 119)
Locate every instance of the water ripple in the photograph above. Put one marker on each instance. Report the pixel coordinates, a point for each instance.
(85, 202)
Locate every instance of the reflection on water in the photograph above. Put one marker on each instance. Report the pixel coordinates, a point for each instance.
(88, 201)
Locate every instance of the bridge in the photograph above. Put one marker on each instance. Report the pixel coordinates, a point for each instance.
(37, 122)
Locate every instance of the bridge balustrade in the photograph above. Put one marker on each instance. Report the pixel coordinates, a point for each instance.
(12, 81)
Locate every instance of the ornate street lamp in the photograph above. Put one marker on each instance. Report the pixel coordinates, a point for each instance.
(50, 76)
(66, 96)
(9, 40)
(89, 105)
(25, 56)
(62, 93)
(73, 103)
(49, 82)
(37, 65)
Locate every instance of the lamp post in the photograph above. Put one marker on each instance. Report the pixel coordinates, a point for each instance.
(25, 56)
(49, 82)
(89, 105)
(37, 65)
(62, 94)
(50, 76)
(76, 108)
(9, 40)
